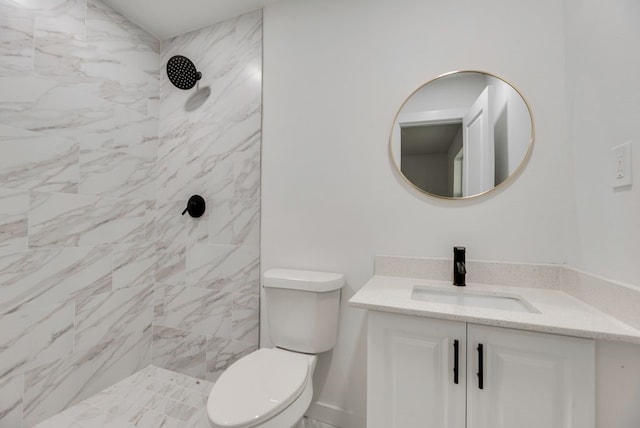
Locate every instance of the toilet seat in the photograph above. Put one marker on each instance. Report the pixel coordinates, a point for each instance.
(258, 387)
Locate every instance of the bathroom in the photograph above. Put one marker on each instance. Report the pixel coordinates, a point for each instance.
(290, 151)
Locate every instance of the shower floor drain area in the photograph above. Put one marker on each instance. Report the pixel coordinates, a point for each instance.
(151, 398)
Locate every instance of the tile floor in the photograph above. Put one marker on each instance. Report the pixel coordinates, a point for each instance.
(151, 398)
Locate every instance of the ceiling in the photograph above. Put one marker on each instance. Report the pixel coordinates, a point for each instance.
(167, 18)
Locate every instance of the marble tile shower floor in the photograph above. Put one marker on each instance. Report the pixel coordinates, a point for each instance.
(151, 398)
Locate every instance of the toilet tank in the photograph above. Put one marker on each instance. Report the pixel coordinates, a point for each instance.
(302, 308)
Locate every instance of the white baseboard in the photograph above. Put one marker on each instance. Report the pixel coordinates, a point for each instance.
(335, 416)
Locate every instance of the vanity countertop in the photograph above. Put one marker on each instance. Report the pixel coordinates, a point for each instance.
(559, 313)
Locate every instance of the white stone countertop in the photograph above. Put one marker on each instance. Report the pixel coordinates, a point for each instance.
(557, 312)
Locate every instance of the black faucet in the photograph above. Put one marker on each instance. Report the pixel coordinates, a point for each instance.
(459, 268)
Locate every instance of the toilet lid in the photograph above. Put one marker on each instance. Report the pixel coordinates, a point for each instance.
(257, 387)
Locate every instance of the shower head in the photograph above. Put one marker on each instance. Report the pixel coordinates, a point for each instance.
(182, 73)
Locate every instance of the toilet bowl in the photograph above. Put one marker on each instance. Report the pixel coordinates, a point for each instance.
(272, 388)
(269, 388)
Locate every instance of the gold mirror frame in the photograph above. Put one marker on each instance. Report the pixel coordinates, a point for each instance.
(502, 184)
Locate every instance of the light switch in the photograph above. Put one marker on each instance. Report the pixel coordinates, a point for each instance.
(622, 165)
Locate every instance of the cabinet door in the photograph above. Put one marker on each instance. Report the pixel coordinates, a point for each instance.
(410, 377)
(530, 380)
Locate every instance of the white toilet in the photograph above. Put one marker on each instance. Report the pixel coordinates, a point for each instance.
(272, 388)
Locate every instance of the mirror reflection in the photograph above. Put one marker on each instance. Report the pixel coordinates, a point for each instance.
(462, 134)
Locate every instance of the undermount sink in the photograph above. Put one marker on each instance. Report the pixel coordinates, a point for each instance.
(464, 297)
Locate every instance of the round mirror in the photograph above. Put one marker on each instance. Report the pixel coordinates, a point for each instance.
(462, 134)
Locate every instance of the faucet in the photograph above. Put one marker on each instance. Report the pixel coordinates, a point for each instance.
(459, 268)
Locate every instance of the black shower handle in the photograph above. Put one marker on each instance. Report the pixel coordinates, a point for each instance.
(195, 206)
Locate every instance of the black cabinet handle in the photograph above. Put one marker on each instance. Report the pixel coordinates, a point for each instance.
(456, 358)
(480, 366)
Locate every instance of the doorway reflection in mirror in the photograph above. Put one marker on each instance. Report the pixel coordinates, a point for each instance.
(462, 135)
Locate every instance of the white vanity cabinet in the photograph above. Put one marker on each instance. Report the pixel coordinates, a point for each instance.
(526, 379)
(410, 381)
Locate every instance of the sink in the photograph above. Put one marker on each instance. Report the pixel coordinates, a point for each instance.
(463, 297)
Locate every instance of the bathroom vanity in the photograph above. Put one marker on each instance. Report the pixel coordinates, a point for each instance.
(481, 356)
(435, 373)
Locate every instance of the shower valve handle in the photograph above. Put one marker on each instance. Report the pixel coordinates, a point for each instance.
(195, 206)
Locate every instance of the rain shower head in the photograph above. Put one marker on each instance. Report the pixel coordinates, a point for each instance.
(182, 73)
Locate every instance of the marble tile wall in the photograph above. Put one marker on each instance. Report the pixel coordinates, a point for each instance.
(79, 95)
(100, 275)
(207, 273)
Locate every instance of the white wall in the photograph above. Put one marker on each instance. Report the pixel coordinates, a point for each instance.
(603, 93)
(603, 88)
(335, 73)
